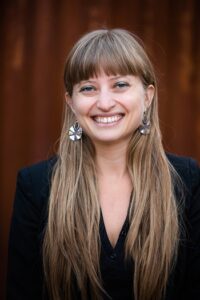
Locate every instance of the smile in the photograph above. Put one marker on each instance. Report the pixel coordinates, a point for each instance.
(107, 120)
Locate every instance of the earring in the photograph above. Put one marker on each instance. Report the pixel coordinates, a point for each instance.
(75, 132)
(146, 125)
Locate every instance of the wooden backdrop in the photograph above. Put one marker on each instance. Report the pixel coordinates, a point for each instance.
(35, 37)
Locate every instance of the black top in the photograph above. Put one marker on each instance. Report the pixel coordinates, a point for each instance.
(116, 273)
(25, 274)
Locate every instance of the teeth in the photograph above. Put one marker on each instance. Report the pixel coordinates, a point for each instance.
(106, 120)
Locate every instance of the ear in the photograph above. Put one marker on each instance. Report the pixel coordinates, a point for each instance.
(150, 91)
(69, 102)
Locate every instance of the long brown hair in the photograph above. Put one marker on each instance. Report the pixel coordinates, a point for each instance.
(71, 249)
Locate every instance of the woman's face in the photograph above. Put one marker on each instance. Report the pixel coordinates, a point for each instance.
(110, 108)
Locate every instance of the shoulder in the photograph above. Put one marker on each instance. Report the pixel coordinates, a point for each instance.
(39, 170)
(33, 182)
(187, 168)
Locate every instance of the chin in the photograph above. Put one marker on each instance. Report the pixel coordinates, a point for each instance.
(108, 140)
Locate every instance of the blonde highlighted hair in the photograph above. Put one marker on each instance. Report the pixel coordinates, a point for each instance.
(71, 249)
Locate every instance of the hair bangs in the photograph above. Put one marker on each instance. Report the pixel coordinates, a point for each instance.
(104, 54)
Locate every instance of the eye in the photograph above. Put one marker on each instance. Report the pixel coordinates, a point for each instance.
(87, 88)
(121, 84)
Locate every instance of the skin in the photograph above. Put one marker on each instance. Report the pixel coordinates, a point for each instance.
(109, 109)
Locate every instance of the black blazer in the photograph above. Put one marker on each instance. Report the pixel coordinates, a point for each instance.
(25, 273)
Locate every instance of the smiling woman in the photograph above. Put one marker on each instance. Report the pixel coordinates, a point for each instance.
(113, 215)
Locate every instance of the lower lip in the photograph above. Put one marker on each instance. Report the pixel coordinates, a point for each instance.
(108, 124)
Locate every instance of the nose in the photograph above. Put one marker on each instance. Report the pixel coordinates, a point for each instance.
(105, 100)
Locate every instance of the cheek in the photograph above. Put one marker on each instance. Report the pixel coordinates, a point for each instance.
(136, 106)
(80, 108)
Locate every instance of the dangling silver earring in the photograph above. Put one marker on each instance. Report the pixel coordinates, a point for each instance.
(75, 132)
(146, 125)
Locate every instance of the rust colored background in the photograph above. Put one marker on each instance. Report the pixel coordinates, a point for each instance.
(35, 37)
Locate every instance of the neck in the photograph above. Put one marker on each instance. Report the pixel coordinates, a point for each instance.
(111, 159)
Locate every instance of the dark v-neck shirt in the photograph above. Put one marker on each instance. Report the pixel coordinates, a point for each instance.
(117, 274)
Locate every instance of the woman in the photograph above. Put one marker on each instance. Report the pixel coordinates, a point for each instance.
(120, 219)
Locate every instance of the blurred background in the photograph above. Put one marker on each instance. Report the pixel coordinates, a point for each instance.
(35, 37)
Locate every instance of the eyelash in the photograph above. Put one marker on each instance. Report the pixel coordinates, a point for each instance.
(90, 88)
(121, 84)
